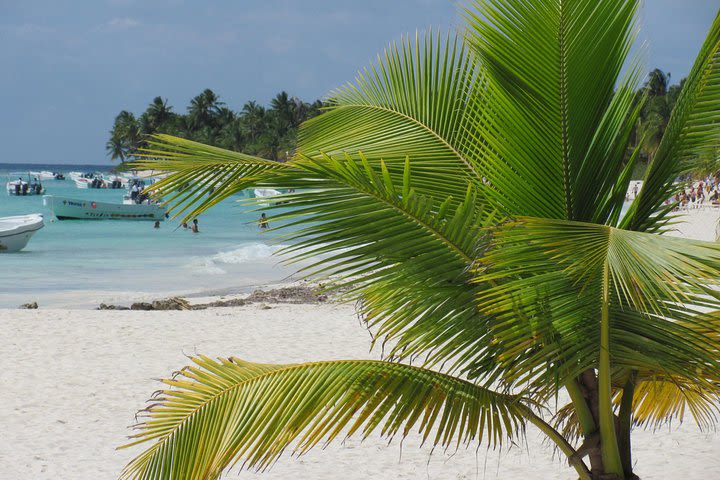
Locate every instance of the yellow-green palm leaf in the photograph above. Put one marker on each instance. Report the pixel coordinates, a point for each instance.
(219, 413)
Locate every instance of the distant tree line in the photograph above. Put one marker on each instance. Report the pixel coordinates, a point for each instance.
(271, 132)
(256, 130)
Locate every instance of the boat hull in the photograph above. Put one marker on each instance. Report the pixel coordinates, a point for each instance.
(15, 232)
(79, 209)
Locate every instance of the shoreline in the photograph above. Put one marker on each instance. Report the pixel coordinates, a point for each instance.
(697, 223)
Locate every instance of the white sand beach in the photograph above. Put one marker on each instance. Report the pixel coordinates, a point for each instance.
(72, 381)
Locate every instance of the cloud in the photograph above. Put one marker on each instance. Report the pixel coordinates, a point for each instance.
(120, 24)
(28, 31)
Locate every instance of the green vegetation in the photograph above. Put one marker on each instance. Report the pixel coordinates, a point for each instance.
(468, 190)
(266, 132)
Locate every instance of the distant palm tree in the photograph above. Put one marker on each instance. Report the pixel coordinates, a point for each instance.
(125, 137)
(203, 110)
(115, 149)
(159, 113)
(224, 116)
(284, 110)
(469, 192)
(655, 114)
(253, 120)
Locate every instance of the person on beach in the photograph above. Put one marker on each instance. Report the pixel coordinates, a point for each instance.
(263, 221)
(195, 228)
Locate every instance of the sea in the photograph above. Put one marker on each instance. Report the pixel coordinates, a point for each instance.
(82, 263)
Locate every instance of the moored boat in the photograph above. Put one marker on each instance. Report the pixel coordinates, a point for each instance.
(98, 180)
(15, 232)
(44, 175)
(265, 194)
(23, 183)
(65, 208)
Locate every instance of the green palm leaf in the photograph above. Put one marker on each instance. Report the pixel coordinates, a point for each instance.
(386, 240)
(220, 413)
(198, 170)
(412, 103)
(552, 69)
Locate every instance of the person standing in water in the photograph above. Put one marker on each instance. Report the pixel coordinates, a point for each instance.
(263, 221)
(195, 228)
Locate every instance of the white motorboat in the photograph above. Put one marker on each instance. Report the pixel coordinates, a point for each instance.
(81, 182)
(15, 232)
(266, 192)
(44, 175)
(98, 180)
(65, 208)
(22, 184)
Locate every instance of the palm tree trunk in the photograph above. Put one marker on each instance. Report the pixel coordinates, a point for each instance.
(625, 425)
(591, 442)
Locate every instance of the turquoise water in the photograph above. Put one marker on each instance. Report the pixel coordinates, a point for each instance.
(83, 262)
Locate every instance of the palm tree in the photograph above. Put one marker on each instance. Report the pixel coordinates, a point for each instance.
(115, 149)
(656, 111)
(469, 191)
(284, 109)
(203, 110)
(253, 120)
(125, 137)
(159, 113)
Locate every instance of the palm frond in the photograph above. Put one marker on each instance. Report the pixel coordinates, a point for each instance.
(660, 400)
(219, 413)
(200, 176)
(549, 112)
(406, 256)
(411, 103)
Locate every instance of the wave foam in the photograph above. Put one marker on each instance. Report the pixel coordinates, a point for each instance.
(246, 253)
(254, 252)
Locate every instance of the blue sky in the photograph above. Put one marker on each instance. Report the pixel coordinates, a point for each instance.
(69, 67)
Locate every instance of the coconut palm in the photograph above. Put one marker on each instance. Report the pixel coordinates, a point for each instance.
(115, 149)
(204, 109)
(159, 113)
(125, 136)
(656, 111)
(469, 192)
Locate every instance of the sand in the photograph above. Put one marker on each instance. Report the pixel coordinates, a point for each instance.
(72, 381)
